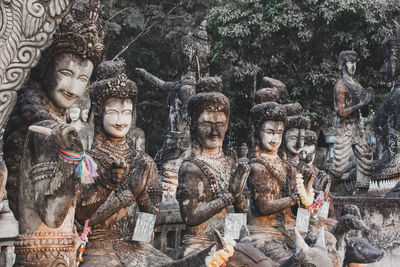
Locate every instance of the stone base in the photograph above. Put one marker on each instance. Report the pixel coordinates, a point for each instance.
(382, 216)
(8, 234)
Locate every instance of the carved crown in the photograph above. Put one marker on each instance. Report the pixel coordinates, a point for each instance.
(208, 97)
(80, 32)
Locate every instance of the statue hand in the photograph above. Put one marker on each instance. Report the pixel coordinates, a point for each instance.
(308, 177)
(67, 138)
(119, 171)
(238, 179)
(368, 96)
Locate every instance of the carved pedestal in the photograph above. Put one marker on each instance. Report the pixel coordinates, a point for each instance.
(8, 233)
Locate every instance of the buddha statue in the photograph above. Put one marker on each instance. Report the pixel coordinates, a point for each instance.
(209, 181)
(43, 187)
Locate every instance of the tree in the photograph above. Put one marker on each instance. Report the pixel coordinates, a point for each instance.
(147, 34)
(297, 42)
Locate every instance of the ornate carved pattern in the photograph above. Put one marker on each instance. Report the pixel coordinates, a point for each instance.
(26, 28)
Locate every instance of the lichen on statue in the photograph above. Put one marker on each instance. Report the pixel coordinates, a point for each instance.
(126, 176)
(42, 185)
(271, 180)
(209, 182)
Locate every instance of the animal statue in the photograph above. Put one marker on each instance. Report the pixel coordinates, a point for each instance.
(359, 250)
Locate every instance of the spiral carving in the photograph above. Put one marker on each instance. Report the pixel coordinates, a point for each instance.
(35, 8)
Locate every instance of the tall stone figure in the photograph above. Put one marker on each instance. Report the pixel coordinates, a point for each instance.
(209, 182)
(42, 185)
(387, 120)
(192, 65)
(126, 176)
(350, 98)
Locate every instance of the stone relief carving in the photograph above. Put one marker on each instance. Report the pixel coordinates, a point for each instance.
(26, 28)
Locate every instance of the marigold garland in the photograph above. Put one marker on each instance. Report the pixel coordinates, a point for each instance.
(218, 258)
(306, 197)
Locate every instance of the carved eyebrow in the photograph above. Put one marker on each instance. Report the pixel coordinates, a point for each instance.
(84, 76)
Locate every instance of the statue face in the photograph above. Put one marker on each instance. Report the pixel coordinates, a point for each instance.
(351, 67)
(74, 113)
(294, 139)
(117, 117)
(271, 135)
(210, 129)
(84, 114)
(389, 67)
(310, 150)
(70, 77)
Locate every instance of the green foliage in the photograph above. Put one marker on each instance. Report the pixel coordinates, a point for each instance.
(297, 42)
(154, 28)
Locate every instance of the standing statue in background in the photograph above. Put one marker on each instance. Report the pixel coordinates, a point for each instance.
(385, 173)
(295, 130)
(208, 181)
(193, 65)
(350, 98)
(243, 153)
(77, 117)
(126, 176)
(43, 186)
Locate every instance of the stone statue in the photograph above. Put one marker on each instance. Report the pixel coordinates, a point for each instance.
(126, 176)
(77, 116)
(386, 121)
(42, 185)
(243, 152)
(295, 129)
(193, 65)
(26, 28)
(209, 182)
(350, 98)
(271, 179)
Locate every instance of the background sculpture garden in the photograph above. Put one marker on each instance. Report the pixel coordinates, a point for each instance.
(78, 167)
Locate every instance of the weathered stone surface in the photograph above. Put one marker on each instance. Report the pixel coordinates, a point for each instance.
(350, 98)
(381, 217)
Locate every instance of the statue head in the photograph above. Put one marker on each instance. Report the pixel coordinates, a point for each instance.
(66, 66)
(209, 114)
(389, 52)
(194, 51)
(310, 147)
(74, 113)
(348, 62)
(113, 100)
(268, 124)
(296, 127)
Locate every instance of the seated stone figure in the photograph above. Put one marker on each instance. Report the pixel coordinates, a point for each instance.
(208, 182)
(126, 176)
(270, 181)
(43, 186)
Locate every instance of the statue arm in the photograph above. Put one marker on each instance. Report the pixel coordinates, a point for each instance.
(194, 208)
(342, 111)
(260, 191)
(145, 184)
(55, 194)
(153, 80)
(94, 195)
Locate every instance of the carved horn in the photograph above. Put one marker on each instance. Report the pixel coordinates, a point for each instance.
(220, 240)
(301, 245)
(321, 239)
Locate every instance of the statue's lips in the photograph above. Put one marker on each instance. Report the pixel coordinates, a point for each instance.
(120, 127)
(69, 96)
